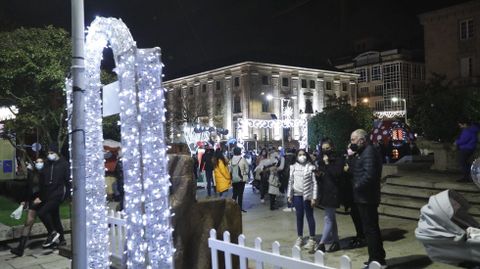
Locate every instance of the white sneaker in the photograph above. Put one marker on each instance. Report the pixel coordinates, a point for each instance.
(299, 242)
(262, 201)
(288, 209)
(310, 245)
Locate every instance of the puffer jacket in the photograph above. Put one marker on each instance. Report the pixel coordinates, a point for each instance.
(223, 181)
(304, 176)
(367, 172)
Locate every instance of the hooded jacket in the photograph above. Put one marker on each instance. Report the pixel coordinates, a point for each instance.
(468, 138)
(55, 180)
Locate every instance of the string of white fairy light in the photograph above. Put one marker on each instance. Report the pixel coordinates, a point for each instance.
(146, 181)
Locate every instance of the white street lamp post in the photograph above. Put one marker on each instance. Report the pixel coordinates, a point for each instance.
(396, 99)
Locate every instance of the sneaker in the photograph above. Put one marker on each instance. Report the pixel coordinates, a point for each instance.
(288, 209)
(382, 266)
(51, 238)
(310, 245)
(334, 247)
(299, 242)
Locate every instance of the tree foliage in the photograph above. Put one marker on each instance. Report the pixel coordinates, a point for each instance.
(337, 122)
(439, 105)
(33, 65)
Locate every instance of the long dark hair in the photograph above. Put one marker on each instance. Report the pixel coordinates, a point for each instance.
(218, 156)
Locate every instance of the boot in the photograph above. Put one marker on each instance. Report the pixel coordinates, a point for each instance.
(20, 248)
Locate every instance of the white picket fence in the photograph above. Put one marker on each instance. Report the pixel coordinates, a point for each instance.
(117, 233)
(262, 257)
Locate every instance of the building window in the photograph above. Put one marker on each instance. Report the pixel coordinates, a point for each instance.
(264, 80)
(236, 82)
(190, 90)
(265, 106)
(329, 86)
(379, 106)
(466, 67)
(285, 82)
(217, 85)
(204, 88)
(363, 75)
(466, 29)
(308, 106)
(304, 83)
(379, 90)
(376, 73)
(312, 84)
(237, 105)
(344, 87)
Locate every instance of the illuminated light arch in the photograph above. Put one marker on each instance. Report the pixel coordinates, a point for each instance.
(146, 180)
(286, 122)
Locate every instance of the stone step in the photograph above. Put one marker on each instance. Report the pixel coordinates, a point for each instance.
(429, 181)
(425, 193)
(402, 202)
(397, 212)
(406, 213)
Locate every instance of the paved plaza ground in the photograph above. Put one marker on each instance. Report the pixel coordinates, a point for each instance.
(403, 250)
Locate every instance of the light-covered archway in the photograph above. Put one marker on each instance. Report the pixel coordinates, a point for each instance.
(146, 180)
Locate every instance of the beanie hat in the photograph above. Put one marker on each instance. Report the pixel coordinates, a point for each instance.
(53, 147)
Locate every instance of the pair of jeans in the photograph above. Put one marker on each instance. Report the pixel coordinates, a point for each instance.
(464, 157)
(49, 214)
(371, 228)
(304, 207)
(330, 229)
(209, 176)
(238, 188)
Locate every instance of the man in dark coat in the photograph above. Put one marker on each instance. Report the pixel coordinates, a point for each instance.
(55, 187)
(366, 172)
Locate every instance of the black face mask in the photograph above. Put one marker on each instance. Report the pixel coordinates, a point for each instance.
(328, 152)
(354, 147)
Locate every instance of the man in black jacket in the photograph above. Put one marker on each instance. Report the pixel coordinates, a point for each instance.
(367, 170)
(54, 188)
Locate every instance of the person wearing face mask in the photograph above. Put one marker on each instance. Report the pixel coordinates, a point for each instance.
(32, 201)
(330, 179)
(366, 171)
(302, 192)
(55, 188)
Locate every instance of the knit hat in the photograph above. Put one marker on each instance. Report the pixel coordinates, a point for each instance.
(53, 147)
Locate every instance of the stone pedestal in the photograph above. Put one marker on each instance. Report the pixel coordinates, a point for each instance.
(193, 219)
(445, 157)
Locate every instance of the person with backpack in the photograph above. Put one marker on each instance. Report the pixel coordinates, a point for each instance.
(278, 163)
(240, 169)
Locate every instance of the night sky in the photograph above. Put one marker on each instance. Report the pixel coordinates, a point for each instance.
(198, 35)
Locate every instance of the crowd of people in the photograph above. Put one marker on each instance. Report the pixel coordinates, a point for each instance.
(327, 179)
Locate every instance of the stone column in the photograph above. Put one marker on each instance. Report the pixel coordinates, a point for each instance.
(227, 107)
(276, 132)
(211, 105)
(337, 87)
(295, 105)
(321, 94)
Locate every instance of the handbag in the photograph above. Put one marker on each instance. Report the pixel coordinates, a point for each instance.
(17, 213)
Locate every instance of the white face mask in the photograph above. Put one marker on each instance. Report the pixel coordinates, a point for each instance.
(302, 159)
(39, 166)
(52, 156)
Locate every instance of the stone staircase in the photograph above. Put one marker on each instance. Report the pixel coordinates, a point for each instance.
(405, 193)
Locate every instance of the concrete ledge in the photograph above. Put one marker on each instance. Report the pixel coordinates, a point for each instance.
(8, 233)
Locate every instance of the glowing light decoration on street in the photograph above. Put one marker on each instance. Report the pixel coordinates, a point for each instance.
(146, 180)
